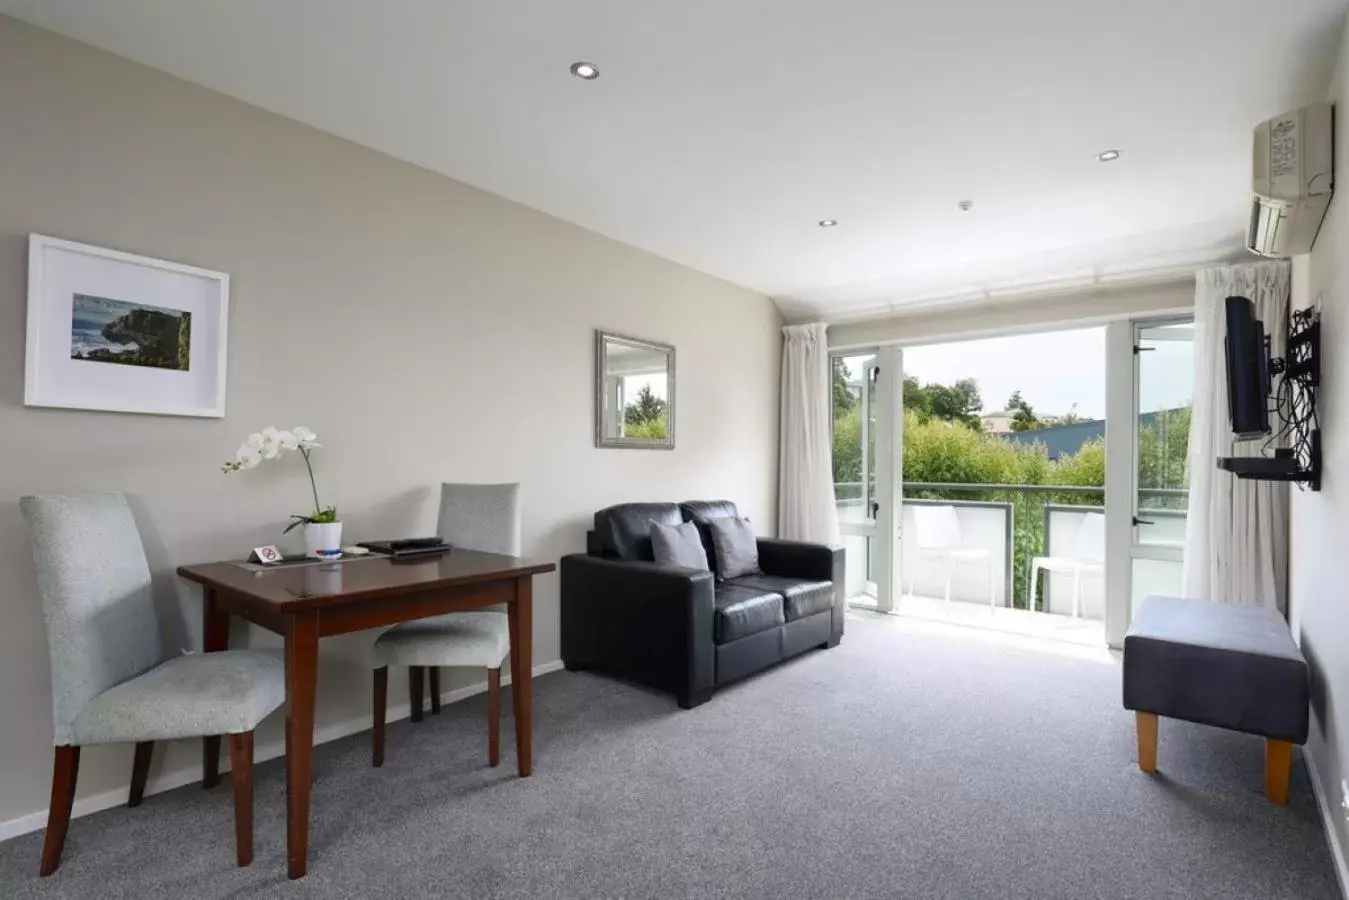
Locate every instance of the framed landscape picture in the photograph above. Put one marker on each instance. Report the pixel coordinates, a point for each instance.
(113, 331)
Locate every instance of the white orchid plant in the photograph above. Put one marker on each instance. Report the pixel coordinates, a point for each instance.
(271, 444)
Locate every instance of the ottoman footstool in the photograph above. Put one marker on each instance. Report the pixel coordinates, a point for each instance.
(1235, 667)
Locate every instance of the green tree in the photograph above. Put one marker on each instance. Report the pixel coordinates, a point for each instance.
(1023, 418)
(847, 429)
(653, 430)
(959, 402)
(848, 447)
(1163, 448)
(647, 407)
(1085, 468)
(917, 399)
(844, 396)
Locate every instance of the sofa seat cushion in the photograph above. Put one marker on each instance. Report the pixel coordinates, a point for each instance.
(742, 611)
(803, 597)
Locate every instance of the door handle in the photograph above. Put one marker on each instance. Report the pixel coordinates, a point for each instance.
(1138, 521)
(875, 508)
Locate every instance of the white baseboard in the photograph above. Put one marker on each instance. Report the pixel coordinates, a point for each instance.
(1328, 823)
(167, 781)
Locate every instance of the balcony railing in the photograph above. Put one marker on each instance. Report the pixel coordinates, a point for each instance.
(1013, 523)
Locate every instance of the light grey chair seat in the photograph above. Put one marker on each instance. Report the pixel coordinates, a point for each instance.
(190, 696)
(471, 639)
(483, 517)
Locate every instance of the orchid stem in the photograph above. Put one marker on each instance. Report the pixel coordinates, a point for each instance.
(312, 484)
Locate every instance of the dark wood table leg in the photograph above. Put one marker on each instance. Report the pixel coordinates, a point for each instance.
(140, 771)
(302, 651)
(416, 691)
(215, 631)
(381, 714)
(520, 612)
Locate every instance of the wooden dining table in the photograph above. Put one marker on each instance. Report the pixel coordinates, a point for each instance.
(306, 602)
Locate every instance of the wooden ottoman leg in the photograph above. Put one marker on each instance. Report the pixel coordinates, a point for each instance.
(1147, 741)
(1278, 768)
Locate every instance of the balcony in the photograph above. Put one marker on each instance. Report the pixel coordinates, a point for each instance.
(999, 529)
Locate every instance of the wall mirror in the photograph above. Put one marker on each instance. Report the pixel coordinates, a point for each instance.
(634, 393)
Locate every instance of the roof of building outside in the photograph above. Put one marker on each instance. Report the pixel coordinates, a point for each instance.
(1065, 440)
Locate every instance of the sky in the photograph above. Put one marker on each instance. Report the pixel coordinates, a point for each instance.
(1053, 371)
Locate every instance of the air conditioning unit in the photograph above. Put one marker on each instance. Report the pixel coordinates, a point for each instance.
(1293, 181)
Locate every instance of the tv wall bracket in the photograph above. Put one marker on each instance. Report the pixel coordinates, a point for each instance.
(1297, 443)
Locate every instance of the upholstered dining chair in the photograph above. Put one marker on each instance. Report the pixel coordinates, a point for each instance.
(111, 682)
(483, 517)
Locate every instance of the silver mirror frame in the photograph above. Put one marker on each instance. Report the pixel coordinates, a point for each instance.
(633, 443)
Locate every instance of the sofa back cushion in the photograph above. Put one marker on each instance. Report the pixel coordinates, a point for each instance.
(704, 510)
(700, 512)
(625, 530)
(737, 549)
(679, 545)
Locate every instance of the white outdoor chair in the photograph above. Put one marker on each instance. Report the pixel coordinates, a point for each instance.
(938, 537)
(1088, 559)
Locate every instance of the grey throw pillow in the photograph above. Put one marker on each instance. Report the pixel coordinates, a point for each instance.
(736, 548)
(678, 545)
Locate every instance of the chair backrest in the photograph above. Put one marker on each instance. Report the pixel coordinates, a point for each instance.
(937, 526)
(1091, 538)
(483, 517)
(96, 598)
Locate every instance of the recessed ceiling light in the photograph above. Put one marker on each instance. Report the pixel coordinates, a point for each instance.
(1108, 155)
(827, 223)
(588, 71)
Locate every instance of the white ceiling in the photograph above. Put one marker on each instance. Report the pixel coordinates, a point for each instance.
(720, 131)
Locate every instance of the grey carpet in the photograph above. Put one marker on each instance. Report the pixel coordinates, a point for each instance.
(908, 762)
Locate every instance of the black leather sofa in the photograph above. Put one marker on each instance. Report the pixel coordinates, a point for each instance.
(679, 629)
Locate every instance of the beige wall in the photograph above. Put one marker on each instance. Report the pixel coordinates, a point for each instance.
(426, 331)
(1318, 564)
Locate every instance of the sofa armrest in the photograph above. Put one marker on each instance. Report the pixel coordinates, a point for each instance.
(801, 559)
(649, 622)
(798, 559)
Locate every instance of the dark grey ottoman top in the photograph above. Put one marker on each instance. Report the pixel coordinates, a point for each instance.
(1234, 667)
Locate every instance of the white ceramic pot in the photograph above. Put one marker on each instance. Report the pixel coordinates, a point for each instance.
(323, 541)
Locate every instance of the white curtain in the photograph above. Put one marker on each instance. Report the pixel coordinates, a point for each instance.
(806, 510)
(1236, 535)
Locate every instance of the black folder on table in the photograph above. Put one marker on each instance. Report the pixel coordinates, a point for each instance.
(401, 548)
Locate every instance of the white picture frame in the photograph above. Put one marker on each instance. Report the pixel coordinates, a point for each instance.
(77, 292)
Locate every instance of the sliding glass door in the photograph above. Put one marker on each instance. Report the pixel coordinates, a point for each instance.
(1163, 399)
(854, 377)
(1004, 523)
(1149, 386)
(865, 443)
